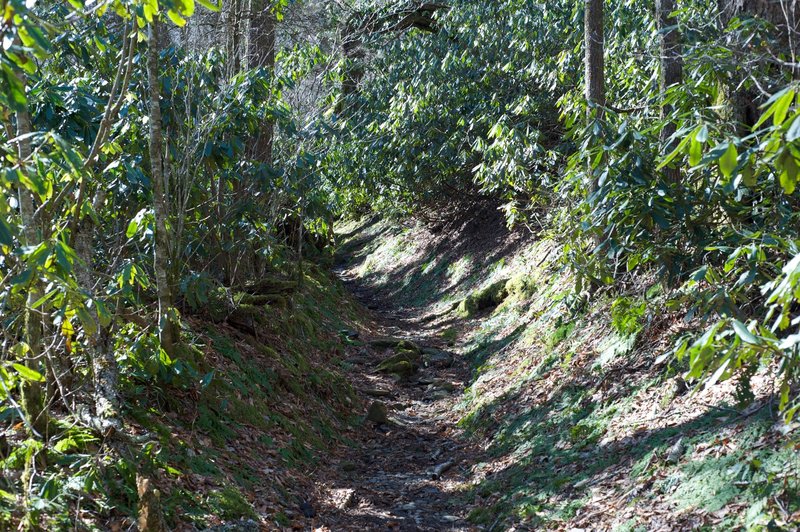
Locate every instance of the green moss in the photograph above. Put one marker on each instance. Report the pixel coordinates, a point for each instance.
(561, 333)
(229, 504)
(521, 287)
(483, 299)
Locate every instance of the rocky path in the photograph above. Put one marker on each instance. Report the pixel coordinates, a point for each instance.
(409, 462)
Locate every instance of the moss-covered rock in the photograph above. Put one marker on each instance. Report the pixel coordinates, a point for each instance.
(378, 413)
(401, 368)
(404, 362)
(483, 299)
(520, 287)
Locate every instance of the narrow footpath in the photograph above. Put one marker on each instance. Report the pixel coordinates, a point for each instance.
(410, 461)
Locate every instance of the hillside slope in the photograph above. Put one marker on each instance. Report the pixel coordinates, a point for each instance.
(581, 420)
(225, 432)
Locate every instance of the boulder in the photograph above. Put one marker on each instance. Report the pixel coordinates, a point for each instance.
(437, 358)
(401, 368)
(378, 413)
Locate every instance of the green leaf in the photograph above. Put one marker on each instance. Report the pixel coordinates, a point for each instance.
(209, 5)
(6, 235)
(176, 18)
(788, 182)
(727, 163)
(782, 108)
(695, 151)
(742, 332)
(748, 176)
(89, 325)
(27, 373)
(793, 133)
(771, 109)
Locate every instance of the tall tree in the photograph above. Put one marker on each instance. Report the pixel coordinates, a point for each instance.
(162, 254)
(671, 72)
(262, 55)
(594, 64)
(32, 390)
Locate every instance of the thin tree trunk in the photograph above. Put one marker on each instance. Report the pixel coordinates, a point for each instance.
(161, 259)
(105, 370)
(32, 392)
(262, 55)
(594, 64)
(353, 69)
(671, 74)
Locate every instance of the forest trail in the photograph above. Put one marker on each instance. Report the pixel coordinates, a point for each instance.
(405, 474)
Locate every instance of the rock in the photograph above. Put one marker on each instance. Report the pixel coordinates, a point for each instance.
(521, 287)
(401, 368)
(437, 395)
(440, 469)
(449, 518)
(378, 413)
(404, 362)
(343, 498)
(437, 357)
(444, 385)
(376, 392)
(388, 342)
(349, 333)
(676, 452)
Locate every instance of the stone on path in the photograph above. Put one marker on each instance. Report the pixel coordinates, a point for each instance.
(378, 413)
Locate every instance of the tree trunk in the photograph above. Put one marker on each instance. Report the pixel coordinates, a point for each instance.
(594, 64)
(236, 34)
(32, 392)
(262, 55)
(671, 74)
(161, 260)
(744, 100)
(353, 69)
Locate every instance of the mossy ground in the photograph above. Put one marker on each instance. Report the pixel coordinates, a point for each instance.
(227, 428)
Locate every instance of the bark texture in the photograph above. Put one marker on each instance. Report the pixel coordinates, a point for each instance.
(594, 66)
(161, 260)
(32, 392)
(671, 73)
(262, 55)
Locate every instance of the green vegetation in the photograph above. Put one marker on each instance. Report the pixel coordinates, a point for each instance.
(594, 203)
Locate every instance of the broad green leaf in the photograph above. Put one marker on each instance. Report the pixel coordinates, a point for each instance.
(793, 133)
(748, 176)
(727, 163)
(89, 325)
(695, 151)
(788, 182)
(176, 18)
(27, 373)
(782, 107)
(742, 332)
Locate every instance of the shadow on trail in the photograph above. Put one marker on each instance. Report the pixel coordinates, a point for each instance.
(482, 240)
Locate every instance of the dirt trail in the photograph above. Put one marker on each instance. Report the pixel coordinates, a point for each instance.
(406, 474)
